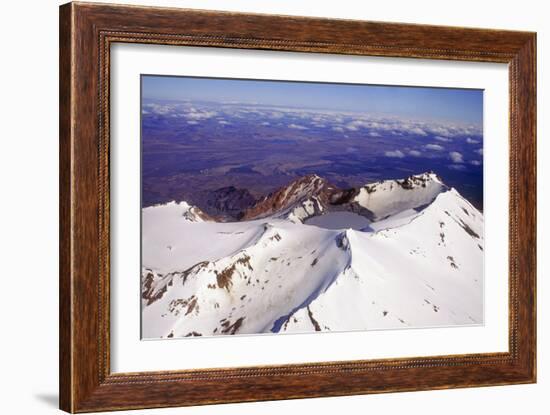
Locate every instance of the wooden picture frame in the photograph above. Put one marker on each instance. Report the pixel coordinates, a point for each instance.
(86, 33)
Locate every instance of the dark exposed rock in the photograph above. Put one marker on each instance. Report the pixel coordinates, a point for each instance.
(223, 278)
(341, 197)
(342, 242)
(194, 213)
(228, 328)
(229, 201)
(468, 230)
(148, 292)
(452, 262)
(313, 321)
(415, 181)
(310, 187)
(147, 285)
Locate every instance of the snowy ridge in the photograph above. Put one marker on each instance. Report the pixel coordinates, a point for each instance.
(414, 268)
(396, 280)
(389, 197)
(301, 199)
(188, 212)
(254, 287)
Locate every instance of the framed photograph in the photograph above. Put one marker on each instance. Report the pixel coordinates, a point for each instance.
(259, 207)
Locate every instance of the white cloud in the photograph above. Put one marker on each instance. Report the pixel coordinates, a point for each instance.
(398, 126)
(454, 130)
(378, 126)
(223, 122)
(417, 131)
(395, 154)
(475, 163)
(374, 125)
(276, 115)
(456, 157)
(479, 151)
(440, 130)
(456, 167)
(356, 124)
(198, 115)
(435, 147)
(160, 109)
(192, 122)
(415, 153)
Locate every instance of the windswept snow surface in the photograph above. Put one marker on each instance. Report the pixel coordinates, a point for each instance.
(417, 266)
(390, 197)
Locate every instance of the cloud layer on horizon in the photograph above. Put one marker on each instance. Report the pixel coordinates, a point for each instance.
(454, 142)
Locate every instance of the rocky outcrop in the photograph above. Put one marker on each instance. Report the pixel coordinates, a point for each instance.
(308, 188)
(229, 202)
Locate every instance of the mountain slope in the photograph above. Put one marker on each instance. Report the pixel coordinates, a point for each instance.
(419, 266)
(389, 197)
(255, 285)
(305, 197)
(397, 279)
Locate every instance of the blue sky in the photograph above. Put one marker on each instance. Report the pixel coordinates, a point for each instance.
(455, 105)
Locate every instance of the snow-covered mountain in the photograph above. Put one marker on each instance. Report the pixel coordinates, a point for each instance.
(389, 197)
(311, 257)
